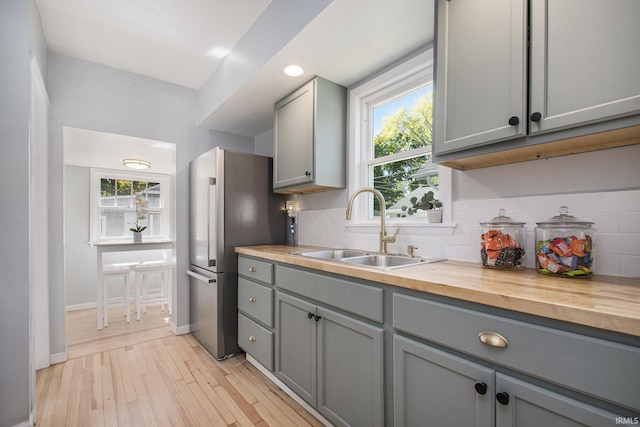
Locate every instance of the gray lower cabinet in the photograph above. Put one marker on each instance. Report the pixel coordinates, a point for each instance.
(435, 388)
(521, 404)
(333, 361)
(455, 366)
(255, 309)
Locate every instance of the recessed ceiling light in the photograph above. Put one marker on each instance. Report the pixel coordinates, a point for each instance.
(219, 52)
(136, 163)
(293, 70)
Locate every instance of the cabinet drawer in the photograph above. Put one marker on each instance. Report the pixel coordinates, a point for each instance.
(256, 340)
(256, 270)
(362, 300)
(256, 300)
(594, 366)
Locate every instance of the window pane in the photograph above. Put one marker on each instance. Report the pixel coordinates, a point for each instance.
(403, 124)
(123, 192)
(107, 192)
(155, 224)
(401, 180)
(139, 186)
(153, 195)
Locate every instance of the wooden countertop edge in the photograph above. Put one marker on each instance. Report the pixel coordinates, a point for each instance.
(604, 302)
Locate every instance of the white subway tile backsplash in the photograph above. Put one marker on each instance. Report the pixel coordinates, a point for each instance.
(616, 215)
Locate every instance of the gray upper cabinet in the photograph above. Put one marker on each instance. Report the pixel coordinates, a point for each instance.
(503, 84)
(480, 73)
(310, 139)
(585, 65)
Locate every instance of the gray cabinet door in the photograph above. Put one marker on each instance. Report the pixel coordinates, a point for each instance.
(527, 405)
(350, 370)
(433, 388)
(296, 346)
(585, 65)
(294, 138)
(480, 78)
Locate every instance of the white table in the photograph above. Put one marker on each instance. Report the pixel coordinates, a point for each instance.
(103, 247)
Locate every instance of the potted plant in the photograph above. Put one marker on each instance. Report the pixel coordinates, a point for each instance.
(427, 203)
(142, 205)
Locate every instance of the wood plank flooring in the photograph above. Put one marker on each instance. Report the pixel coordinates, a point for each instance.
(141, 374)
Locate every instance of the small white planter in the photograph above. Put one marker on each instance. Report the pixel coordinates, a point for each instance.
(137, 237)
(434, 215)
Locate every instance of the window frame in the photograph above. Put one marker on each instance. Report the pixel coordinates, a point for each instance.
(94, 204)
(408, 75)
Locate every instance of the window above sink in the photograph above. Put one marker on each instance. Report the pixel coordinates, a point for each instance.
(390, 144)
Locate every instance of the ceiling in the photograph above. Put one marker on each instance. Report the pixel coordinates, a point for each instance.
(179, 41)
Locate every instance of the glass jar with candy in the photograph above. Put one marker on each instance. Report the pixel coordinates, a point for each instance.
(502, 242)
(564, 246)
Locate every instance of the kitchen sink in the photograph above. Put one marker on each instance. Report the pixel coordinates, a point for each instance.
(367, 259)
(335, 254)
(388, 262)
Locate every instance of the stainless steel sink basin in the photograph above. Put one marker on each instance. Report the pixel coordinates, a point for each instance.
(368, 259)
(388, 262)
(336, 254)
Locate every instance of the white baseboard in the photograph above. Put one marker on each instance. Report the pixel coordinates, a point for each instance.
(75, 307)
(180, 330)
(29, 423)
(58, 358)
(287, 390)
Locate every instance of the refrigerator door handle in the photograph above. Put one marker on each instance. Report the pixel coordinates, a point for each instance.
(213, 207)
(201, 277)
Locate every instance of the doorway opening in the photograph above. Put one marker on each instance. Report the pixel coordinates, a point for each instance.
(86, 151)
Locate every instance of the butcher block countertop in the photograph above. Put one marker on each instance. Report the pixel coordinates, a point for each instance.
(605, 302)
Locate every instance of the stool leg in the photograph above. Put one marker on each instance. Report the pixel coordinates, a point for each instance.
(163, 287)
(138, 290)
(105, 302)
(127, 309)
(170, 291)
(145, 285)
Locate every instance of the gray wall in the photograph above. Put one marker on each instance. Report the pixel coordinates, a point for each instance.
(18, 22)
(91, 96)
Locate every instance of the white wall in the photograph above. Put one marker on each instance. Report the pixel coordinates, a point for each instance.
(601, 186)
(20, 36)
(94, 97)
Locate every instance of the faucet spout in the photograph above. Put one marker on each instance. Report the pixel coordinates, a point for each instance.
(384, 239)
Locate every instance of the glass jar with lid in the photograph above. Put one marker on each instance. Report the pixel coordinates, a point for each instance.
(502, 242)
(564, 246)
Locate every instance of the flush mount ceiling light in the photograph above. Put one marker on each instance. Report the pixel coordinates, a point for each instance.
(136, 163)
(293, 70)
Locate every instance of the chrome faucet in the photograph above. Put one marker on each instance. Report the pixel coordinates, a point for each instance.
(384, 239)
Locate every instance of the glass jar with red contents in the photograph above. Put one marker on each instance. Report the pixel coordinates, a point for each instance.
(502, 242)
(564, 246)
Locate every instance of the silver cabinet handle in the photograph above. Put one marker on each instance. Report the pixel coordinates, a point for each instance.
(252, 269)
(493, 339)
(252, 338)
(252, 299)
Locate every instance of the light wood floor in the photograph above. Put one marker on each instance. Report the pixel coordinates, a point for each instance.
(141, 374)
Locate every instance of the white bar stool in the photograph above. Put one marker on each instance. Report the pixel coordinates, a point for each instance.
(121, 270)
(144, 295)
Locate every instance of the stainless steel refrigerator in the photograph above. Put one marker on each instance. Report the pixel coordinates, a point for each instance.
(231, 204)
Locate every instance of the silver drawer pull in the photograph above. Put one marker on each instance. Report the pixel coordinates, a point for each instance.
(252, 269)
(493, 339)
(252, 338)
(252, 299)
